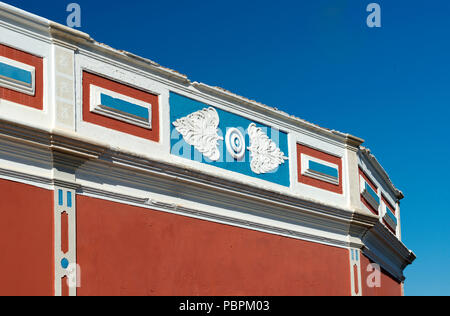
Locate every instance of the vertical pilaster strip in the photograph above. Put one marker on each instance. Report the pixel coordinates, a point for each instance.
(399, 224)
(355, 272)
(65, 259)
(64, 86)
(352, 181)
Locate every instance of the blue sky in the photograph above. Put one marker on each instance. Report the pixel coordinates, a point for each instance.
(318, 60)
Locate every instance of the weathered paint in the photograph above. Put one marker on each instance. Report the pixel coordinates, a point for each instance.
(26, 240)
(36, 100)
(126, 250)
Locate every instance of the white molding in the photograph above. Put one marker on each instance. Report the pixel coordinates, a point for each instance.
(314, 213)
(367, 196)
(386, 183)
(16, 85)
(70, 256)
(305, 159)
(390, 222)
(96, 106)
(384, 248)
(144, 67)
(106, 172)
(387, 218)
(355, 259)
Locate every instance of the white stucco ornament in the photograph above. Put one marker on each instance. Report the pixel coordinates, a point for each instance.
(264, 154)
(235, 142)
(200, 129)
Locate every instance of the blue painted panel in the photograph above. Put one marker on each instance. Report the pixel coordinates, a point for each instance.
(391, 215)
(181, 106)
(15, 73)
(69, 199)
(124, 106)
(372, 193)
(60, 198)
(318, 167)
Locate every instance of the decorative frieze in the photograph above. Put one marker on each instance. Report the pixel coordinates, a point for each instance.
(248, 147)
(199, 129)
(265, 155)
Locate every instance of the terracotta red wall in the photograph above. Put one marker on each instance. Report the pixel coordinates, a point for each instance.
(389, 286)
(26, 240)
(126, 250)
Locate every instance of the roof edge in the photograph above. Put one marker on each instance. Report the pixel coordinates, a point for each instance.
(379, 168)
(66, 35)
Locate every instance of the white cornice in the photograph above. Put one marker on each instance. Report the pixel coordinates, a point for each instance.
(381, 246)
(381, 172)
(73, 39)
(244, 204)
(250, 207)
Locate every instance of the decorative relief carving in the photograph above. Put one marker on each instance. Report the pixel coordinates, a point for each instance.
(200, 129)
(235, 142)
(264, 153)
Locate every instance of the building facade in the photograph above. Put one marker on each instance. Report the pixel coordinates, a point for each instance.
(122, 177)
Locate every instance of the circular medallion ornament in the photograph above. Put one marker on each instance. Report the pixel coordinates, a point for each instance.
(235, 142)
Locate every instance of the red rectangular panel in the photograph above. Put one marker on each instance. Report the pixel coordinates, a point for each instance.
(302, 149)
(94, 118)
(372, 185)
(26, 240)
(35, 101)
(127, 250)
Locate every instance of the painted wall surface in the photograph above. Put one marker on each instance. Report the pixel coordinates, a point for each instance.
(36, 100)
(181, 106)
(302, 149)
(126, 250)
(26, 240)
(389, 286)
(88, 116)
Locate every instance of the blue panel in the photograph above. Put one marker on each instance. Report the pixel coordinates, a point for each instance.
(391, 215)
(15, 73)
(181, 106)
(318, 167)
(372, 193)
(124, 106)
(60, 198)
(69, 199)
